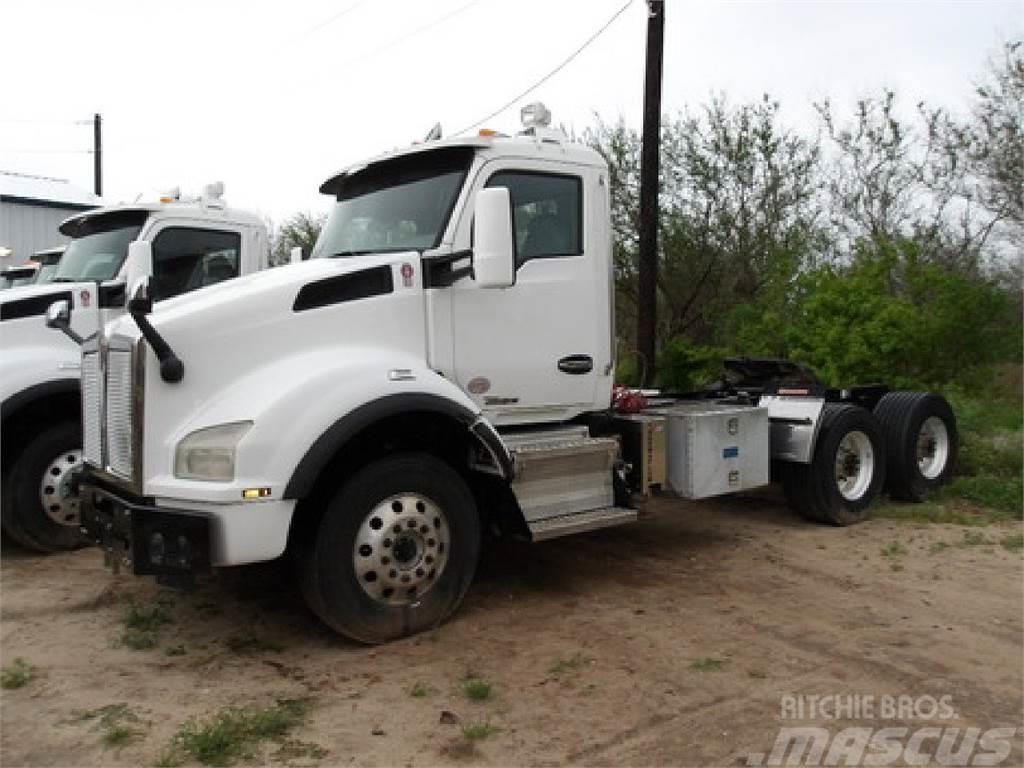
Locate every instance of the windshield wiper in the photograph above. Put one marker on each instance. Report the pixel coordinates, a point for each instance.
(64, 280)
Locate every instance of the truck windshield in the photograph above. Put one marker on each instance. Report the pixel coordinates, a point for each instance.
(99, 246)
(400, 204)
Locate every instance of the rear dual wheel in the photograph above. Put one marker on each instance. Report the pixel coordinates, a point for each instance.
(395, 551)
(921, 443)
(846, 472)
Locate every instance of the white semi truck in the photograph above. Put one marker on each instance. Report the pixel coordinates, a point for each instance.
(442, 366)
(196, 242)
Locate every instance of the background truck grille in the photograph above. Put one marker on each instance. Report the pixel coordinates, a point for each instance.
(119, 412)
(91, 398)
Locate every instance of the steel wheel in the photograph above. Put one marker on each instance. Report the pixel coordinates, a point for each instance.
(394, 550)
(932, 447)
(855, 465)
(56, 494)
(401, 549)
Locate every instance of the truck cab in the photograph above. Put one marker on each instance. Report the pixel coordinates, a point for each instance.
(195, 242)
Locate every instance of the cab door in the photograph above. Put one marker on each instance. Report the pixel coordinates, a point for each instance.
(537, 351)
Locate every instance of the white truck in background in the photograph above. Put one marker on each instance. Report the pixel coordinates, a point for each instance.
(443, 365)
(196, 243)
(48, 261)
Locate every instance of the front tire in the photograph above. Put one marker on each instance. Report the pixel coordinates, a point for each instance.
(921, 443)
(40, 505)
(847, 471)
(395, 551)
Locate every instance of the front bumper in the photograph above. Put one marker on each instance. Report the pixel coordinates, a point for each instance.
(141, 537)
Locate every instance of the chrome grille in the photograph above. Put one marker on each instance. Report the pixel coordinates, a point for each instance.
(119, 412)
(92, 394)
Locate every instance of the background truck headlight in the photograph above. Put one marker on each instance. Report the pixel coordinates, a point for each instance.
(209, 454)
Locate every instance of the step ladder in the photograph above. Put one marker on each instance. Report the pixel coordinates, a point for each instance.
(563, 481)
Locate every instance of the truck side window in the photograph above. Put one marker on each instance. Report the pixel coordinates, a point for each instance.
(546, 212)
(186, 258)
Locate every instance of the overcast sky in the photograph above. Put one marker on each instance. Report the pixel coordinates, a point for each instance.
(271, 97)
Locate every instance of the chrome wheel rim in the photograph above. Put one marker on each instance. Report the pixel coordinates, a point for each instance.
(59, 500)
(401, 549)
(855, 465)
(932, 447)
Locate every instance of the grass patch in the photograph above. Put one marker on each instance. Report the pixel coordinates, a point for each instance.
(234, 733)
(243, 644)
(477, 731)
(938, 546)
(17, 674)
(1001, 495)
(708, 664)
(142, 626)
(975, 539)
(953, 512)
(175, 650)
(293, 749)
(116, 721)
(573, 664)
(420, 691)
(1013, 543)
(893, 549)
(477, 689)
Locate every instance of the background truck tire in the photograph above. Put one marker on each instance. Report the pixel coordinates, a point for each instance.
(921, 443)
(847, 471)
(395, 551)
(44, 466)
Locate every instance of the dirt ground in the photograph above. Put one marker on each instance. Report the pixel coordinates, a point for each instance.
(668, 642)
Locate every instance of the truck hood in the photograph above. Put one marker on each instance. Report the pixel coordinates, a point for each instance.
(253, 300)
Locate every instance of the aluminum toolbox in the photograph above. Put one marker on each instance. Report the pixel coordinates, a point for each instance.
(715, 449)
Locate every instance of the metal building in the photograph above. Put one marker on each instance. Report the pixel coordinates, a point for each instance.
(31, 208)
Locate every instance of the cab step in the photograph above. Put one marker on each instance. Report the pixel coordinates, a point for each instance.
(562, 472)
(579, 522)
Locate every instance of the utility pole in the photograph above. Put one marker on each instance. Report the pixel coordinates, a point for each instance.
(97, 154)
(647, 314)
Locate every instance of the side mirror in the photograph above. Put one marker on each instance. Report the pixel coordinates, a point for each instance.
(58, 316)
(296, 255)
(138, 267)
(493, 245)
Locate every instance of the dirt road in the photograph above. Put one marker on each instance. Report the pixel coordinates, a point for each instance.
(669, 642)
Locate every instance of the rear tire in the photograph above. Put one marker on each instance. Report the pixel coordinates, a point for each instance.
(921, 443)
(395, 551)
(846, 472)
(38, 509)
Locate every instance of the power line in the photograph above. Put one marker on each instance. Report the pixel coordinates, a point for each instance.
(327, 22)
(413, 33)
(550, 74)
(31, 121)
(12, 151)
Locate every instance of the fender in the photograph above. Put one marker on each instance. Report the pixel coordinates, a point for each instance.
(345, 428)
(17, 401)
(342, 389)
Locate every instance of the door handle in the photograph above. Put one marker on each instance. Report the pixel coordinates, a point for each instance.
(576, 364)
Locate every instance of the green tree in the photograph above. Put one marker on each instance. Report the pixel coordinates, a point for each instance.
(300, 230)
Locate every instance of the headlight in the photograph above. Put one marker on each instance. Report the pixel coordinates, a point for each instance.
(209, 454)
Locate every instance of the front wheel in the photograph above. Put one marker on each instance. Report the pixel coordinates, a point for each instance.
(395, 551)
(847, 470)
(40, 502)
